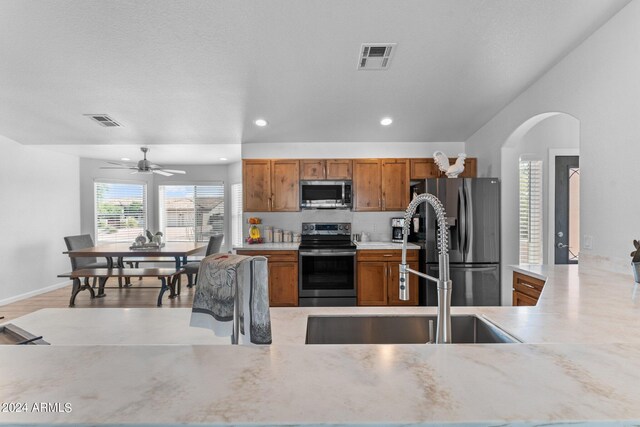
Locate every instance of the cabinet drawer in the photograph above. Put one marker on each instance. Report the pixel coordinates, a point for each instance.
(527, 285)
(273, 256)
(520, 299)
(386, 255)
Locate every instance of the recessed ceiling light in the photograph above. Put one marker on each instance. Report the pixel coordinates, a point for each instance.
(125, 159)
(223, 158)
(386, 121)
(261, 122)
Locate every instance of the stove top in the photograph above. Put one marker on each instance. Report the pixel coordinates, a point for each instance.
(326, 235)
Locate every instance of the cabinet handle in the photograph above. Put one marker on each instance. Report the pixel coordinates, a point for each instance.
(325, 171)
(379, 202)
(387, 255)
(527, 285)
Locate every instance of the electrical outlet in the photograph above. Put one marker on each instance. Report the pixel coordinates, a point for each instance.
(587, 242)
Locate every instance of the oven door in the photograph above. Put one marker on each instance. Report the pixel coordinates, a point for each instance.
(327, 273)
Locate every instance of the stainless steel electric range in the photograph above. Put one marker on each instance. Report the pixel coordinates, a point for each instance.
(327, 265)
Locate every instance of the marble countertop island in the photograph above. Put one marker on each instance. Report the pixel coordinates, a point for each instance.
(580, 363)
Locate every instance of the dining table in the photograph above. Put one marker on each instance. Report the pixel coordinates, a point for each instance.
(179, 251)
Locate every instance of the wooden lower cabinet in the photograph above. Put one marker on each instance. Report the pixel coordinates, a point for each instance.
(283, 276)
(378, 277)
(526, 289)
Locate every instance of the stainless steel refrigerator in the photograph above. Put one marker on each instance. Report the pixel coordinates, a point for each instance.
(473, 218)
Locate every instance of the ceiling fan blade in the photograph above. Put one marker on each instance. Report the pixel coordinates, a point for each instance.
(122, 164)
(120, 168)
(174, 171)
(158, 171)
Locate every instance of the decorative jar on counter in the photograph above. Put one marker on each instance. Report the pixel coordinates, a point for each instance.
(277, 235)
(287, 237)
(268, 234)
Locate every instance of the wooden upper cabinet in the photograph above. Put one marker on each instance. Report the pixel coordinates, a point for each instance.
(312, 169)
(395, 184)
(339, 169)
(470, 167)
(427, 168)
(285, 185)
(423, 169)
(366, 185)
(315, 169)
(256, 178)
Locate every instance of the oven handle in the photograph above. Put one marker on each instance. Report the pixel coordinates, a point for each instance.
(321, 252)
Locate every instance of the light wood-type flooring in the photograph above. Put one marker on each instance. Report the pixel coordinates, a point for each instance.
(134, 296)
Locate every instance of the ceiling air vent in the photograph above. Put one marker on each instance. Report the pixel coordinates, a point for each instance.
(376, 56)
(104, 120)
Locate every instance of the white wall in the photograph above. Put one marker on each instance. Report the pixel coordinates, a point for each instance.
(559, 131)
(40, 199)
(599, 84)
(90, 171)
(348, 150)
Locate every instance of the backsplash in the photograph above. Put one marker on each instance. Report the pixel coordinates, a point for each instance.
(377, 224)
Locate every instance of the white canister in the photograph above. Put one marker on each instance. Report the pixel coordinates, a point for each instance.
(297, 237)
(268, 234)
(277, 235)
(287, 237)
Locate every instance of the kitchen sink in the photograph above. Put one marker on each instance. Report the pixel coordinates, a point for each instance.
(467, 329)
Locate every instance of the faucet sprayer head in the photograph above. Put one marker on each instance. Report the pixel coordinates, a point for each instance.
(443, 234)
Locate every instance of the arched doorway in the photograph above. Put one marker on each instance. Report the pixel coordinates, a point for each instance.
(543, 139)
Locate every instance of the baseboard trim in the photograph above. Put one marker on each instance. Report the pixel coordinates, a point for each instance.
(34, 293)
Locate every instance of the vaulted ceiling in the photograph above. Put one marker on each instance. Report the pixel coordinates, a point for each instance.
(200, 72)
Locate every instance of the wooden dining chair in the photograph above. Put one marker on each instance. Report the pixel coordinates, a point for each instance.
(191, 268)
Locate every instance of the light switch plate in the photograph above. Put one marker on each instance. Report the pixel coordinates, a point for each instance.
(588, 242)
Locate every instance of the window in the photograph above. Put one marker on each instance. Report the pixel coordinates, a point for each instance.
(236, 214)
(530, 211)
(120, 211)
(191, 213)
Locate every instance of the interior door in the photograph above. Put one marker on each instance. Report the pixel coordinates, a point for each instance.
(567, 210)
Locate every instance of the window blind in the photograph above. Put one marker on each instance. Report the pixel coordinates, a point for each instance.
(236, 214)
(120, 211)
(191, 212)
(530, 211)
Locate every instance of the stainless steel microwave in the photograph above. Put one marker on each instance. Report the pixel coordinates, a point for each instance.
(325, 195)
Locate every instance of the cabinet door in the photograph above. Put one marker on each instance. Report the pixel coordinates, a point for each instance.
(423, 169)
(470, 168)
(395, 184)
(285, 185)
(520, 299)
(256, 185)
(366, 185)
(283, 284)
(338, 169)
(393, 281)
(312, 169)
(372, 283)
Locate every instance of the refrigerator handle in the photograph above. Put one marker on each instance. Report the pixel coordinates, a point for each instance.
(462, 219)
(468, 232)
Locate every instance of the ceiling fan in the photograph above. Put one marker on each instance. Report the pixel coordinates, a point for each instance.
(143, 166)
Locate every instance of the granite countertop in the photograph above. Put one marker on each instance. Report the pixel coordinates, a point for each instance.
(267, 247)
(579, 363)
(383, 245)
